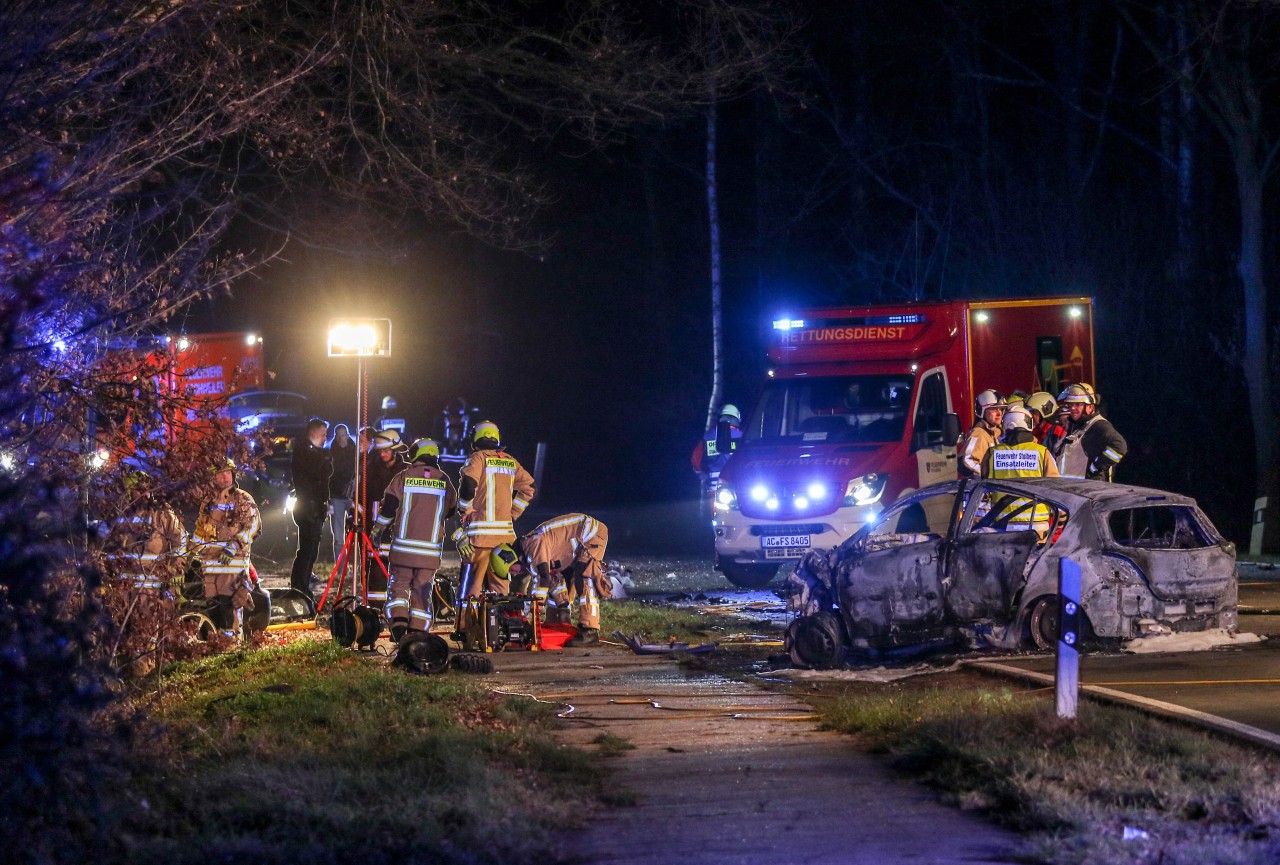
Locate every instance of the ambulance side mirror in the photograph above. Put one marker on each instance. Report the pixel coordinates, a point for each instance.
(950, 428)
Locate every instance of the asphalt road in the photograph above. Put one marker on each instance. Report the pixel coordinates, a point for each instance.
(1239, 683)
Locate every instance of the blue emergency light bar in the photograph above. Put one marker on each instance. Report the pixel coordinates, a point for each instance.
(788, 324)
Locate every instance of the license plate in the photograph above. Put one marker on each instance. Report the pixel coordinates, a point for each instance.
(785, 552)
(772, 541)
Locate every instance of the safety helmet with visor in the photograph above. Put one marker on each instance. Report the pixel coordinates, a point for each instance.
(988, 399)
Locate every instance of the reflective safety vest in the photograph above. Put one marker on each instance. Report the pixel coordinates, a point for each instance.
(1073, 462)
(500, 490)
(1027, 460)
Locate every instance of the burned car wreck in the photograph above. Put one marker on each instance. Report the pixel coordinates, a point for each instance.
(980, 560)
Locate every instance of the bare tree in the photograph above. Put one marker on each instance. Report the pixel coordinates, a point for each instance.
(1224, 58)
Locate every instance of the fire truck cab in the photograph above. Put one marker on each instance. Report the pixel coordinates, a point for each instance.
(862, 404)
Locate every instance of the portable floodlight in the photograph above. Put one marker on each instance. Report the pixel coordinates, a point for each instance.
(360, 337)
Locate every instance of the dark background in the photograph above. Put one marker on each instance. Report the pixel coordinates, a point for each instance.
(903, 164)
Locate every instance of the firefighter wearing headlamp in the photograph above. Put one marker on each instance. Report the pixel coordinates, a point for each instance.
(567, 554)
(414, 507)
(493, 492)
(225, 528)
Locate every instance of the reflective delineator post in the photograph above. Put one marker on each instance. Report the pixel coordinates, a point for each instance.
(1067, 681)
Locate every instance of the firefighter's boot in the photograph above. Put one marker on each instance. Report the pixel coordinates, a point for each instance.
(584, 637)
(399, 627)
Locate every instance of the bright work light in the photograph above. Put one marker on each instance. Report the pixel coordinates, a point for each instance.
(360, 337)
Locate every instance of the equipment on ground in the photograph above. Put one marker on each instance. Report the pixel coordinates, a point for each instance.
(354, 623)
(422, 653)
(496, 623)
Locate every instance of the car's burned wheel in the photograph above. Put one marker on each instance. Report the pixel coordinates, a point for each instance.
(816, 641)
(1043, 622)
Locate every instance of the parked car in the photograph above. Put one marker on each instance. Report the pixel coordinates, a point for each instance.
(981, 558)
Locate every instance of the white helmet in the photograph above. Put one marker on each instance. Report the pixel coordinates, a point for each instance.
(987, 399)
(1076, 394)
(1017, 418)
(731, 410)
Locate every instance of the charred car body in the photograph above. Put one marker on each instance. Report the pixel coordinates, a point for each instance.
(981, 558)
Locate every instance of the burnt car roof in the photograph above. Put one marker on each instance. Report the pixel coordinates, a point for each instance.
(1074, 492)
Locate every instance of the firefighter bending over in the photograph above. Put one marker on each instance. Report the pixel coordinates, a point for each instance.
(413, 510)
(567, 554)
(493, 492)
(225, 528)
(1092, 447)
(989, 408)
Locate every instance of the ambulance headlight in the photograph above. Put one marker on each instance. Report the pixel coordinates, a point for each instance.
(865, 490)
(759, 493)
(726, 499)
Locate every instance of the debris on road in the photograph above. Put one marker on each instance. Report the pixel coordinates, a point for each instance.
(640, 648)
(876, 675)
(1195, 641)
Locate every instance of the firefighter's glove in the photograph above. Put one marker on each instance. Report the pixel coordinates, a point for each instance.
(463, 543)
(224, 558)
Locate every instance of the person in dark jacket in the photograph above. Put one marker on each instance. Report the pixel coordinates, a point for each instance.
(1092, 447)
(342, 453)
(311, 470)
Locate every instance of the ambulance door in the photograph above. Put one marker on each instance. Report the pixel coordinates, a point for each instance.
(935, 457)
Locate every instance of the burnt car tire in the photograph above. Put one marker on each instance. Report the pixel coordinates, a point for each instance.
(816, 641)
(1043, 626)
(1043, 623)
(748, 576)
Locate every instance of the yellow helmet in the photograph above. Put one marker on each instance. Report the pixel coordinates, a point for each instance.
(503, 560)
(1042, 402)
(423, 448)
(226, 464)
(137, 481)
(486, 429)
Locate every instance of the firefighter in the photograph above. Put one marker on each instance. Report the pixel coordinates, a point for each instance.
(413, 510)
(567, 554)
(716, 446)
(1092, 447)
(1044, 415)
(1018, 454)
(385, 463)
(144, 549)
(493, 491)
(146, 543)
(988, 408)
(225, 528)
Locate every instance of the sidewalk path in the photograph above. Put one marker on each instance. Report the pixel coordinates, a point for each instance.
(728, 773)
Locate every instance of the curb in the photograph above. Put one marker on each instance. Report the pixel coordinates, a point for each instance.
(1235, 729)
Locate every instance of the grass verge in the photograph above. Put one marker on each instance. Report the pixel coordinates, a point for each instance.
(311, 753)
(656, 624)
(1186, 796)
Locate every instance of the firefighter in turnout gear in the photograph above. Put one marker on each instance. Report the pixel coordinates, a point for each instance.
(1092, 447)
(225, 528)
(567, 554)
(144, 550)
(1018, 454)
(146, 544)
(384, 463)
(989, 408)
(716, 446)
(493, 491)
(413, 510)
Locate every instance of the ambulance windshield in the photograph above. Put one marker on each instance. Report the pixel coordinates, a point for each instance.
(857, 408)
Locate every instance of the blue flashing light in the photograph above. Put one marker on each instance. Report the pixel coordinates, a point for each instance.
(788, 324)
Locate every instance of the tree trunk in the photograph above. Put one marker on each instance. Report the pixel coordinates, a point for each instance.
(713, 220)
(1257, 348)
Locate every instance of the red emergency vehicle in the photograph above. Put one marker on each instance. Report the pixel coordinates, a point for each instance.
(865, 403)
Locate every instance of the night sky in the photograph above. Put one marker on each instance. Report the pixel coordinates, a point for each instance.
(892, 171)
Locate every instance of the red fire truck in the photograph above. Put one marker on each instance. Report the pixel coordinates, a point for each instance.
(865, 403)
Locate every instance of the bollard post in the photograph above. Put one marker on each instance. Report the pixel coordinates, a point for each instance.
(1067, 680)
